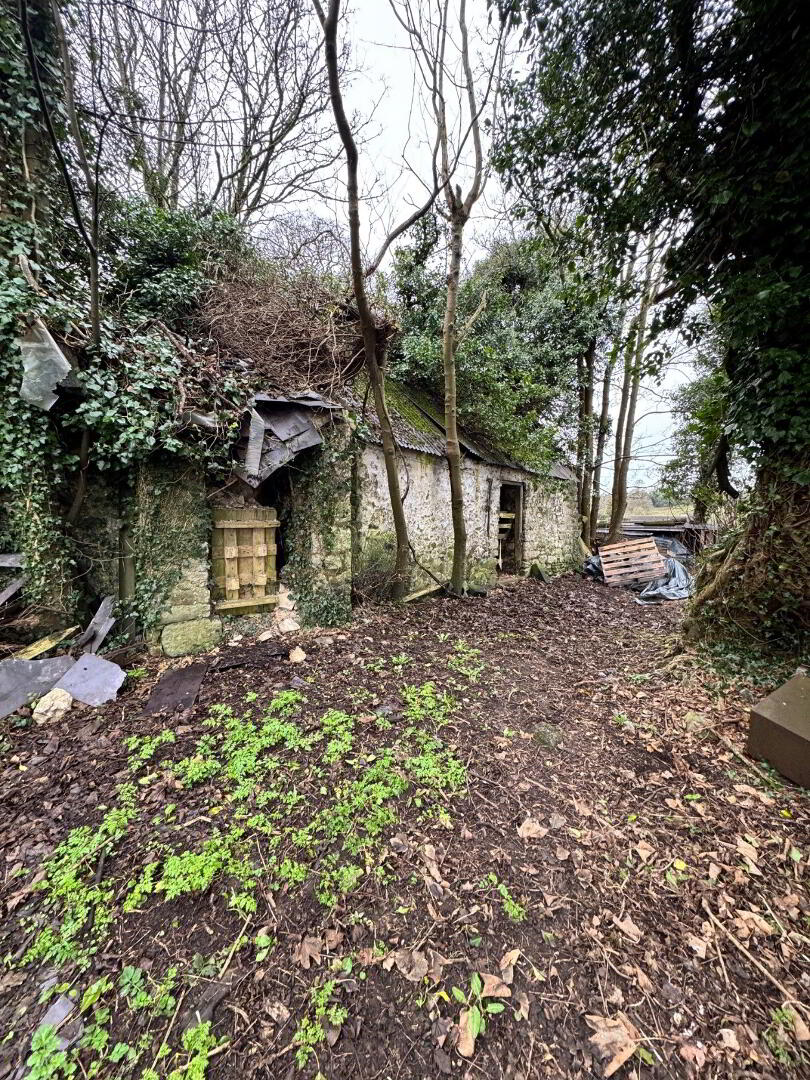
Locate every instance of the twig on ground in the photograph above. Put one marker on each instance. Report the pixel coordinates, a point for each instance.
(168, 1030)
(229, 957)
(788, 998)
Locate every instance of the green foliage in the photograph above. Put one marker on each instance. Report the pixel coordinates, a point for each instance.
(478, 1007)
(323, 487)
(426, 704)
(699, 409)
(512, 909)
(517, 362)
(142, 748)
(310, 1032)
(46, 1061)
(723, 150)
(338, 728)
(153, 264)
(198, 1042)
(70, 886)
(162, 260)
(465, 661)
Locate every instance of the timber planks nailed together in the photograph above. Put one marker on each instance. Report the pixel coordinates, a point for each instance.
(243, 559)
(631, 562)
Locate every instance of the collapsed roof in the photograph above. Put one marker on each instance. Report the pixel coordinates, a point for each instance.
(417, 421)
(277, 428)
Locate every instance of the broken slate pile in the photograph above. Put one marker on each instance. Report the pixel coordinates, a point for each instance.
(59, 680)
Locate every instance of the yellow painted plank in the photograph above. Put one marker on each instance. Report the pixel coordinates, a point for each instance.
(245, 603)
(41, 646)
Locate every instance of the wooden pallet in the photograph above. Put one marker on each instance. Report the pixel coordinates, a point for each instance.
(631, 562)
(243, 559)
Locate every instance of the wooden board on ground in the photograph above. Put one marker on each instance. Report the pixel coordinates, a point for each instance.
(631, 562)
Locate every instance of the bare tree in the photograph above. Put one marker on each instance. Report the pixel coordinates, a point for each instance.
(374, 335)
(445, 65)
(603, 427)
(304, 241)
(634, 352)
(213, 103)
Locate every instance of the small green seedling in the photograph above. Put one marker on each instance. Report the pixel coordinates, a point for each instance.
(477, 1007)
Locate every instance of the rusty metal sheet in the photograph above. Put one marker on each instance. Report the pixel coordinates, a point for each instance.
(23, 680)
(177, 689)
(93, 680)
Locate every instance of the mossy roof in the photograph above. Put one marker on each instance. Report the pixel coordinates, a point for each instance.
(418, 423)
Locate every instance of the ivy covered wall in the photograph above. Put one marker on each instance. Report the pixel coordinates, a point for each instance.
(171, 530)
(318, 529)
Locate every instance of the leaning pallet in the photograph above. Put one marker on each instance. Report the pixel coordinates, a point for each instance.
(631, 562)
(243, 559)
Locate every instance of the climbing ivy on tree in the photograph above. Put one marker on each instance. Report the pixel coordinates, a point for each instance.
(155, 267)
(529, 316)
(697, 115)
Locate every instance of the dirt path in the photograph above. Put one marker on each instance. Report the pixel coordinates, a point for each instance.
(503, 810)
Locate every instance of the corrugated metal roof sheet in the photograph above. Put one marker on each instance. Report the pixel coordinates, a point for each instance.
(412, 430)
(418, 423)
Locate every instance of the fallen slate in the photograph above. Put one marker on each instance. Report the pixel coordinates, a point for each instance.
(58, 1012)
(98, 627)
(93, 680)
(12, 588)
(177, 689)
(22, 680)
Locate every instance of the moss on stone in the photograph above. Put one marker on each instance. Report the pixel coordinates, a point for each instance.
(198, 635)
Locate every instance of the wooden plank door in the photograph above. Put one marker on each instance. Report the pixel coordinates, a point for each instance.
(243, 559)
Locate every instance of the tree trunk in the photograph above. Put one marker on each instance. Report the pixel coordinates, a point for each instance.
(602, 434)
(740, 593)
(633, 359)
(329, 22)
(457, 575)
(604, 413)
(614, 529)
(586, 437)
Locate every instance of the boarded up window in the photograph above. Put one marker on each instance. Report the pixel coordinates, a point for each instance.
(243, 558)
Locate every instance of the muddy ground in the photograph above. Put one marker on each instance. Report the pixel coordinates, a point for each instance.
(501, 837)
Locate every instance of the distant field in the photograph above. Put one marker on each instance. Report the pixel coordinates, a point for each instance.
(636, 509)
(657, 511)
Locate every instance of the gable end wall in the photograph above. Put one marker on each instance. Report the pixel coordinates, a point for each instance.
(550, 516)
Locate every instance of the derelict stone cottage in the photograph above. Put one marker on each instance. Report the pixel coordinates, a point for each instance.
(303, 500)
(308, 503)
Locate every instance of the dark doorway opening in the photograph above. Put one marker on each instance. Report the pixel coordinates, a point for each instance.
(510, 528)
(276, 492)
(279, 492)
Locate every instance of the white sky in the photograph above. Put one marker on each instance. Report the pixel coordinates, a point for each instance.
(386, 86)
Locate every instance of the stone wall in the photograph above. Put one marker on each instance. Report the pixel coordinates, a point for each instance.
(187, 624)
(550, 522)
(172, 532)
(319, 530)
